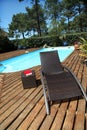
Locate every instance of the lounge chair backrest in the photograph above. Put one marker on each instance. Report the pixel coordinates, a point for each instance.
(50, 62)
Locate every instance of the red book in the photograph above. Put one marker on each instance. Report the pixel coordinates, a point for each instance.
(28, 72)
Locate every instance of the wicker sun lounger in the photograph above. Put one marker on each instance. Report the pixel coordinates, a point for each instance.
(59, 83)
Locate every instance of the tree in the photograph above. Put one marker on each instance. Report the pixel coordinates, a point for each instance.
(74, 12)
(68, 12)
(85, 5)
(79, 11)
(18, 25)
(53, 11)
(36, 3)
(37, 15)
(30, 23)
(32, 19)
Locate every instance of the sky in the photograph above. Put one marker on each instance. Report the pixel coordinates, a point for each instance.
(8, 8)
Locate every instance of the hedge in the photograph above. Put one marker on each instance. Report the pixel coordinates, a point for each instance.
(50, 40)
(9, 45)
(6, 45)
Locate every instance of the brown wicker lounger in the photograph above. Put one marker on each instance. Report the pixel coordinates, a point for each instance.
(59, 83)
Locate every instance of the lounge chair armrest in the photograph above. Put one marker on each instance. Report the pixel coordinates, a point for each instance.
(42, 75)
(66, 68)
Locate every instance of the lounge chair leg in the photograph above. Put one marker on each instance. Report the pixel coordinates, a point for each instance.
(45, 96)
(46, 102)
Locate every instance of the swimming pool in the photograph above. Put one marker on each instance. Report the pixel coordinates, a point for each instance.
(31, 59)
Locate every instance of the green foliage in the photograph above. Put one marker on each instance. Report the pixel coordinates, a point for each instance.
(18, 25)
(5, 44)
(83, 47)
(31, 21)
(83, 40)
(53, 40)
(39, 42)
(36, 19)
(71, 38)
(63, 16)
(49, 40)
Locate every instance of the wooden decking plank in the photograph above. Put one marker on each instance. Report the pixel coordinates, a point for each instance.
(10, 96)
(11, 76)
(81, 105)
(17, 103)
(25, 115)
(69, 59)
(58, 121)
(38, 120)
(9, 85)
(26, 111)
(80, 122)
(80, 72)
(1, 84)
(12, 87)
(84, 78)
(80, 115)
(50, 118)
(76, 67)
(86, 121)
(68, 123)
(31, 116)
(1, 78)
(17, 108)
(12, 100)
(11, 81)
(74, 64)
(70, 115)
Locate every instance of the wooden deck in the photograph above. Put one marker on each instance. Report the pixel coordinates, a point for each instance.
(24, 109)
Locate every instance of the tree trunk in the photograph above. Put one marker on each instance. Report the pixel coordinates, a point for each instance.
(81, 27)
(80, 20)
(23, 35)
(38, 21)
(68, 26)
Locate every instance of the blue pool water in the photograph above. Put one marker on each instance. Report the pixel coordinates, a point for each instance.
(31, 59)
